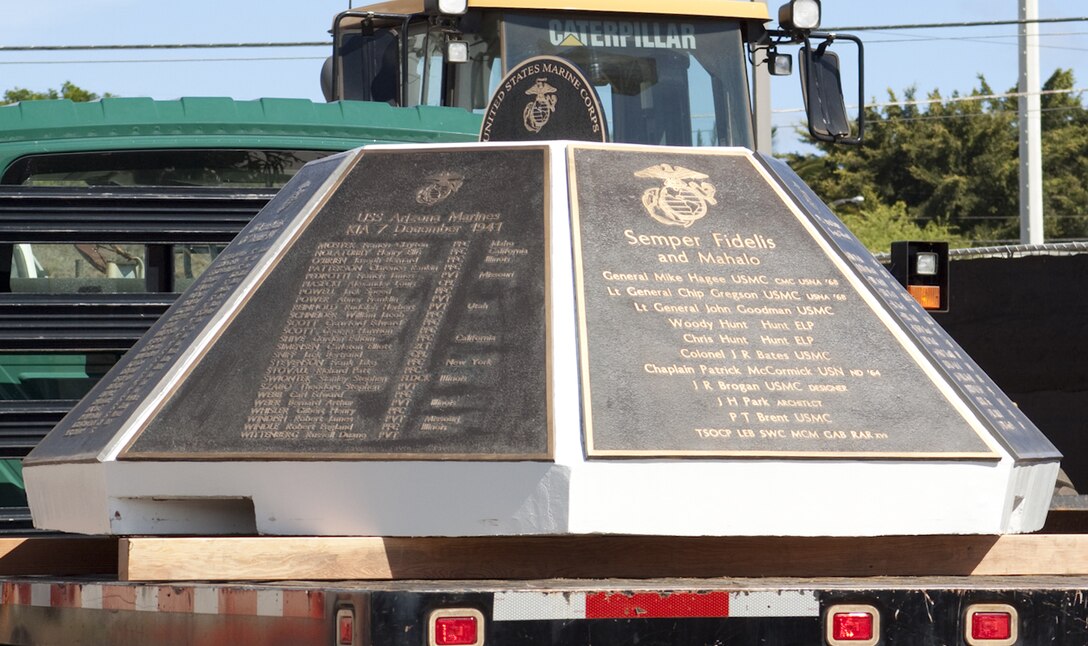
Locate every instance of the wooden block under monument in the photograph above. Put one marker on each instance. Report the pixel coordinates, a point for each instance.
(313, 558)
(544, 339)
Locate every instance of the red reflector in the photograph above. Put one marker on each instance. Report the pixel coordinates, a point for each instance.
(345, 630)
(852, 626)
(656, 605)
(991, 625)
(455, 631)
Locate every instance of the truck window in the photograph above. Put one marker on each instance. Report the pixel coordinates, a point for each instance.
(34, 267)
(83, 268)
(696, 67)
(190, 261)
(237, 168)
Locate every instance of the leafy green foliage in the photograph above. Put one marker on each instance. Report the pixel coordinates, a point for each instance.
(952, 166)
(1065, 160)
(879, 226)
(67, 91)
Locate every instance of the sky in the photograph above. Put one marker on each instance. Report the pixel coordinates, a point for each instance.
(946, 59)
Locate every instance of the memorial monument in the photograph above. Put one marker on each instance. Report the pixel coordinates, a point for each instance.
(544, 338)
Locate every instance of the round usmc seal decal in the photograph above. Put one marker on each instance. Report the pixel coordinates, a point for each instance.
(544, 98)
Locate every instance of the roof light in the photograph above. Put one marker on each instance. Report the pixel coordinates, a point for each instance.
(456, 627)
(799, 15)
(991, 625)
(452, 7)
(925, 263)
(853, 625)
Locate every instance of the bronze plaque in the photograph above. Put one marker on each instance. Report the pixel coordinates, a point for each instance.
(544, 98)
(407, 321)
(718, 321)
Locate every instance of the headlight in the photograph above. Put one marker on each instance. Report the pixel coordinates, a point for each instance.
(452, 7)
(456, 51)
(799, 15)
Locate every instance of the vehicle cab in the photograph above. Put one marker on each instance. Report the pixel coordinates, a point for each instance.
(673, 73)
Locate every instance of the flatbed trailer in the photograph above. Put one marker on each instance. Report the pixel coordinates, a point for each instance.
(544, 590)
(361, 591)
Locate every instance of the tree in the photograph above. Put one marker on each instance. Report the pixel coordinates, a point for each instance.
(67, 91)
(1065, 160)
(881, 225)
(953, 165)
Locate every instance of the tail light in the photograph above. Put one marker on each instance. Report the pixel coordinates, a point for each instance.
(991, 624)
(345, 627)
(456, 627)
(852, 625)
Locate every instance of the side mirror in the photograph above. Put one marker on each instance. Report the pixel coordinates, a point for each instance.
(821, 86)
(368, 63)
(370, 67)
(821, 81)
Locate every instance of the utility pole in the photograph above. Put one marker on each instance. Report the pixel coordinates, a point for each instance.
(1030, 119)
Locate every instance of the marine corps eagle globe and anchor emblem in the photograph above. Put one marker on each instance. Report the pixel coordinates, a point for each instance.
(540, 109)
(682, 200)
(441, 186)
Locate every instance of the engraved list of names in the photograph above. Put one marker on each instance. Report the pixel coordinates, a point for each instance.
(419, 317)
(715, 324)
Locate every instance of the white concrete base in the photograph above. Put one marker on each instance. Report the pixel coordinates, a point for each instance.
(678, 498)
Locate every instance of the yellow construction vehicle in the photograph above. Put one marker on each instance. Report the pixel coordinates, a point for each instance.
(666, 75)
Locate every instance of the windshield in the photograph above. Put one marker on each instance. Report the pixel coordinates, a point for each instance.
(675, 82)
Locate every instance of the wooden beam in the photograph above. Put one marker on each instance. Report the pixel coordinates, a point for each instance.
(58, 556)
(316, 558)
